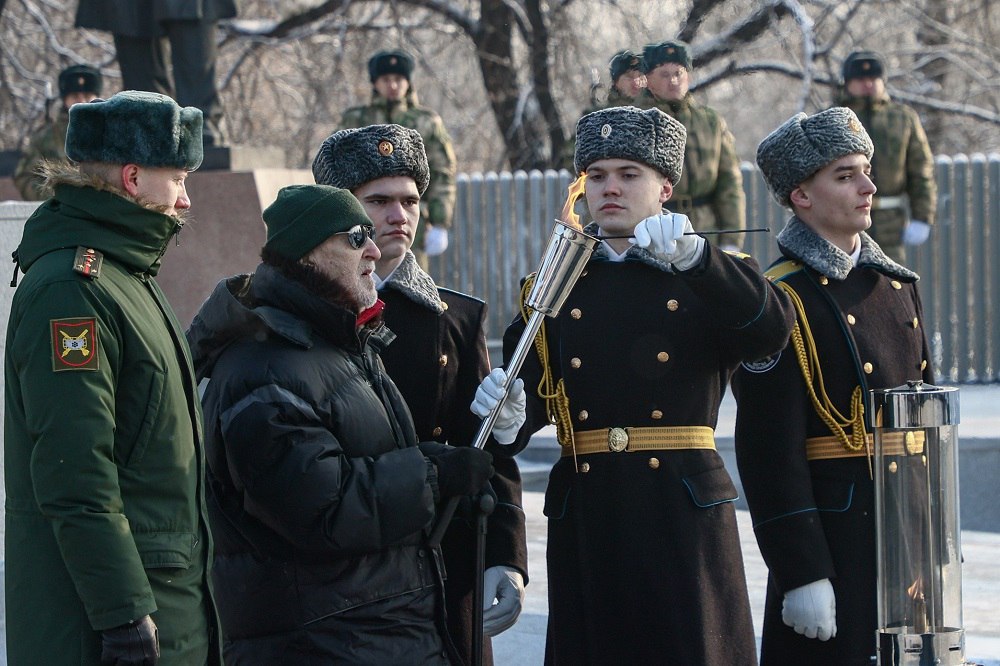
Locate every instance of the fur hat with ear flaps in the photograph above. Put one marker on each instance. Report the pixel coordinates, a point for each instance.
(350, 158)
(805, 144)
(628, 133)
(134, 127)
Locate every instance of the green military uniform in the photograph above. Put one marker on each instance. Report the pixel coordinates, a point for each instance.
(902, 169)
(47, 144)
(438, 203)
(105, 510)
(710, 191)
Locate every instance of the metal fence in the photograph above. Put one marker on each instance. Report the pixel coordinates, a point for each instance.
(504, 220)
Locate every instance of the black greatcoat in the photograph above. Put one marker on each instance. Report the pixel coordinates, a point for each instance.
(816, 520)
(644, 560)
(437, 361)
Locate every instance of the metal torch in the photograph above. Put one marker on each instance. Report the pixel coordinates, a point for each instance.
(918, 540)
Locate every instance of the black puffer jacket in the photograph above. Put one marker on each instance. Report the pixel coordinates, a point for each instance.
(318, 495)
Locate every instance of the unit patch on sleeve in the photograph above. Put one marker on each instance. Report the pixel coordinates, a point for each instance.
(74, 344)
(762, 364)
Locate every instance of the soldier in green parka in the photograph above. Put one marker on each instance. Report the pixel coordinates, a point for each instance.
(903, 166)
(78, 83)
(710, 191)
(107, 545)
(394, 101)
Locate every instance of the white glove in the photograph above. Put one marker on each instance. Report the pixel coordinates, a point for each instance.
(435, 240)
(512, 414)
(811, 610)
(916, 233)
(506, 585)
(664, 236)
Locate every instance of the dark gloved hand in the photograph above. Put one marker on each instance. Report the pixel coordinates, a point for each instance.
(462, 470)
(133, 644)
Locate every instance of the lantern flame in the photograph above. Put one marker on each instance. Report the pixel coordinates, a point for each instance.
(573, 192)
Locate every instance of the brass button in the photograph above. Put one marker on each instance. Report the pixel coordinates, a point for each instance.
(672, 305)
(892, 467)
(663, 357)
(895, 284)
(851, 320)
(923, 364)
(443, 360)
(437, 431)
(583, 415)
(575, 313)
(869, 368)
(444, 305)
(585, 467)
(654, 463)
(657, 414)
(916, 323)
(824, 280)
(575, 362)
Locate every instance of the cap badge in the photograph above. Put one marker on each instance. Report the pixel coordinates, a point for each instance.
(80, 81)
(385, 148)
(392, 60)
(670, 50)
(854, 125)
(605, 131)
(866, 66)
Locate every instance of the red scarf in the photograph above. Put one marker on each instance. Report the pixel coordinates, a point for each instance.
(371, 313)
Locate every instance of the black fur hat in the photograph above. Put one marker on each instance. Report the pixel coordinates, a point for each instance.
(80, 78)
(135, 127)
(624, 61)
(805, 144)
(628, 133)
(396, 61)
(672, 50)
(861, 64)
(353, 157)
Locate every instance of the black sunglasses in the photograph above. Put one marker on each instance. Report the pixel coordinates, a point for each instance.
(358, 234)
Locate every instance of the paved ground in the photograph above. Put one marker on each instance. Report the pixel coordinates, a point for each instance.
(524, 644)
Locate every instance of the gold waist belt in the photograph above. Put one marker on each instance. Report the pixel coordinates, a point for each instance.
(897, 443)
(617, 440)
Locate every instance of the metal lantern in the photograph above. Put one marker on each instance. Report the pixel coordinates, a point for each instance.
(917, 521)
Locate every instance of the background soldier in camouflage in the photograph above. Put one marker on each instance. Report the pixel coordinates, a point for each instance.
(710, 191)
(394, 101)
(78, 83)
(903, 165)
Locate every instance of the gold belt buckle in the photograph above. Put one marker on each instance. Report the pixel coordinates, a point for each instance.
(617, 440)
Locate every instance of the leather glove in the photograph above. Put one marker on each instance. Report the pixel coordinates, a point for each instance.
(916, 233)
(663, 235)
(811, 610)
(435, 240)
(462, 470)
(512, 414)
(134, 644)
(506, 585)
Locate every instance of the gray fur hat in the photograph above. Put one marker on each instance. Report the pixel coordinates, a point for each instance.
(628, 133)
(133, 127)
(352, 157)
(805, 144)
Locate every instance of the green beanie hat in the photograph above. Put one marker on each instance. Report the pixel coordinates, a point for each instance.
(303, 216)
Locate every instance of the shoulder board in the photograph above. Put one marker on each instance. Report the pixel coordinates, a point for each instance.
(737, 254)
(782, 269)
(88, 262)
(444, 291)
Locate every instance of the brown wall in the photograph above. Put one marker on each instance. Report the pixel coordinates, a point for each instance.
(224, 233)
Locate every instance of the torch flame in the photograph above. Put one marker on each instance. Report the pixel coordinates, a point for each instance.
(573, 192)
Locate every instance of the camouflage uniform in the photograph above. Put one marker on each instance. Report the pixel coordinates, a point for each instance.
(902, 165)
(47, 144)
(710, 191)
(438, 203)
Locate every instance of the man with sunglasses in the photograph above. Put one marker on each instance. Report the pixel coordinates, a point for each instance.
(319, 493)
(439, 360)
